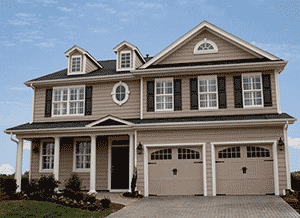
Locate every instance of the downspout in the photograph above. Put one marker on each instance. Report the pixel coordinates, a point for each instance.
(14, 140)
(288, 173)
(32, 115)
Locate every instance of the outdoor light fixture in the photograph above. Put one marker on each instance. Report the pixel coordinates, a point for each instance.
(139, 149)
(280, 144)
(35, 150)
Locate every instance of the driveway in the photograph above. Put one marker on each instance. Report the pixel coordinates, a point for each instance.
(219, 206)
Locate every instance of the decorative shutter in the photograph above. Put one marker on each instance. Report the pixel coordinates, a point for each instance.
(267, 90)
(194, 93)
(150, 96)
(88, 100)
(177, 95)
(238, 92)
(222, 92)
(48, 103)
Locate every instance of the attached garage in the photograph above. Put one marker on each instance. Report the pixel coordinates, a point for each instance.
(175, 170)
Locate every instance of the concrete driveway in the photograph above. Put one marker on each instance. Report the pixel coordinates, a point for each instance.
(220, 206)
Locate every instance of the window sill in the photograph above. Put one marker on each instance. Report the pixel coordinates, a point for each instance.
(81, 171)
(68, 115)
(162, 111)
(46, 171)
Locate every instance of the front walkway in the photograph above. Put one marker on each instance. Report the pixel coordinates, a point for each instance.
(116, 198)
(220, 206)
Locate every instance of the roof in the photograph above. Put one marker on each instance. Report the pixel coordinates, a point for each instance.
(137, 121)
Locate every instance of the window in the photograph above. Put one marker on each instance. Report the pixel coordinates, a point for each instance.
(120, 93)
(125, 60)
(208, 92)
(68, 101)
(47, 156)
(165, 154)
(205, 46)
(184, 153)
(233, 152)
(253, 151)
(164, 94)
(252, 90)
(76, 60)
(82, 155)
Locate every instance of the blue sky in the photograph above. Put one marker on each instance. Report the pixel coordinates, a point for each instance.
(34, 34)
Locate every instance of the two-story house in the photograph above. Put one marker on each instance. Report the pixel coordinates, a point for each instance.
(202, 117)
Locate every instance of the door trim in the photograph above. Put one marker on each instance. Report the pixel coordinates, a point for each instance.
(275, 162)
(146, 173)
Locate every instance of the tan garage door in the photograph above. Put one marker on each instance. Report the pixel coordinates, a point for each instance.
(175, 171)
(244, 170)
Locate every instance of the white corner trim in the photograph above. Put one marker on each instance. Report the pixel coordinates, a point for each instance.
(131, 161)
(277, 92)
(107, 118)
(56, 157)
(84, 64)
(204, 169)
(141, 93)
(146, 179)
(127, 92)
(213, 165)
(135, 146)
(215, 50)
(30, 159)
(287, 158)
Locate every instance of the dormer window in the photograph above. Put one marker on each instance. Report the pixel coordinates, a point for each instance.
(76, 62)
(205, 46)
(125, 60)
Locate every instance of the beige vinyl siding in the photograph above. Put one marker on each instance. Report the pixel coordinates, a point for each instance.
(102, 103)
(208, 136)
(102, 164)
(138, 62)
(226, 51)
(230, 110)
(90, 66)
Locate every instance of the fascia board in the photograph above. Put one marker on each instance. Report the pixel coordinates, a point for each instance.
(107, 118)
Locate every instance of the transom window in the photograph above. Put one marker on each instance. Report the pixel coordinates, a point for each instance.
(76, 64)
(233, 152)
(253, 151)
(47, 156)
(184, 153)
(164, 94)
(164, 154)
(252, 90)
(125, 60)
(205, 46)
(83, 154)
(68, 101)
(208, 93)
(120, 93)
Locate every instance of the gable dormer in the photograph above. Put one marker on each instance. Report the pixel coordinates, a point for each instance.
(128, 57)
(80, 61)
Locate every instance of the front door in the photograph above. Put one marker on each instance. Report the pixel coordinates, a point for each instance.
(120, 167)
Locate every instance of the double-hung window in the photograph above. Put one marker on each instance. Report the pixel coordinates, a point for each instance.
(68, 101)
(164, 94)
(125, 60)
(252, 90)
(47, 156)
(82, 155)
(208, 92)
(76, 61)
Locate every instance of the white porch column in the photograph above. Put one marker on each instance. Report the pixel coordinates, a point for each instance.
(130, 158)
(93, 165)
(56, 157)
(18, 172)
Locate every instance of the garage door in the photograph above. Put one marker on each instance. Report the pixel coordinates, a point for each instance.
(175, 171)
(244, 170)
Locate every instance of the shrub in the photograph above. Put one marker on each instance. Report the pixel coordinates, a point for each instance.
(73, 183)
(92, 207)
(91, 199)
(105, 202)
(8, 186)
(133, 182)
(78, 196)
(47, 186)
(295, 181)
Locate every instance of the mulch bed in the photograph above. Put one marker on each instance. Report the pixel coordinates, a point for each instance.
(292, 201)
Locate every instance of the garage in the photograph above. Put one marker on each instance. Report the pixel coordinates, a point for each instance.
(244, 169)
(175, 171)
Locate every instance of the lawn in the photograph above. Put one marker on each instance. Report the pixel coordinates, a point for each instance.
(27, 208)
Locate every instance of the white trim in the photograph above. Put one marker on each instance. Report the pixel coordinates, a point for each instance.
(131, 150)
(252, 90)
(84, 65)
(127, 92)
(146, 173)
(30, 159)
(93, 164)
(133, 60)
(56, 157)
(214, 28)
(277, 92)
(283, 192)
(41, 156)
(33, 101)
(19, 160)
(80, 66)
(87, 139)
(275, 162)
(287, 156)
(135, 146)
(107, 118)
(119, 67)
(141, 99)
(134, 48)
(204, 169)
(207, 92)
(215, 50)
(167, 79)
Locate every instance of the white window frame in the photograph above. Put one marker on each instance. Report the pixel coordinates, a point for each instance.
(80, 65)
(125, 52)
(215, 50)
(252, 90)
(41, 170)
(74, 155)
(68, 101)
(216, 92)
(127, 92)
(165, 80)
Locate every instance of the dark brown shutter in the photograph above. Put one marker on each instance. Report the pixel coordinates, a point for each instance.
(88, 100)
(194, 93)
(267, 90)
(222, 92)
(238, 92)
(177, 95)
(150, 96)
(48, 103)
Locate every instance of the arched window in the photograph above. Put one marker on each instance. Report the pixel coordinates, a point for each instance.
(205, 46)
(184, 153)
(233, 152)
(253, 151)
(120, 93)
(163, 154)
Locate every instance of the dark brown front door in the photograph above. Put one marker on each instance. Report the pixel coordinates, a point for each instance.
(120, 167)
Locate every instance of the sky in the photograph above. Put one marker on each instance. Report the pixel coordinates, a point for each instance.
(34, 34)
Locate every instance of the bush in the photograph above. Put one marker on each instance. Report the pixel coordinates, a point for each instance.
(295, 181)
(91, 199)
(8, 186)
(73, 183)
(133, 181)
(47, 186)
(105, 202)
(78, 196)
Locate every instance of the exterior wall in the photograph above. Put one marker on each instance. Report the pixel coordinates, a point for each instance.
(90, 66)
(102, 103)
(230, 110)
(138, 62)
(226, 51)
(208, 136)
(70, 62)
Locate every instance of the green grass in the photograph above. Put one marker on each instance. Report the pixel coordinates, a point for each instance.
(31, 208)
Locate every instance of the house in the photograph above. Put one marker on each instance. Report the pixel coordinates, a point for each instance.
(202, 117)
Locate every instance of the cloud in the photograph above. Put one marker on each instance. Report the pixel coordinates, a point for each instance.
(68, 26)
(18, 88)
(100, 5)
(95, 30)
(6, 169)
(22, 1)
(110, 10)
(8, 44)
(45, 44)
(25, 15)
(147, 5)
(65, 9)
(26, 145)
(47, 1)
(295, 142)
(82, 15)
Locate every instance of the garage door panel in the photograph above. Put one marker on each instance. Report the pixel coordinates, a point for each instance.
(232, 186)
(259, 186)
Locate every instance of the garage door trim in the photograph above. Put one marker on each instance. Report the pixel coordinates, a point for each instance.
(146, 173)
(275, 162)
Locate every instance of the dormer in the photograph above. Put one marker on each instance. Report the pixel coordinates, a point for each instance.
(80, 61)
(128, 57)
